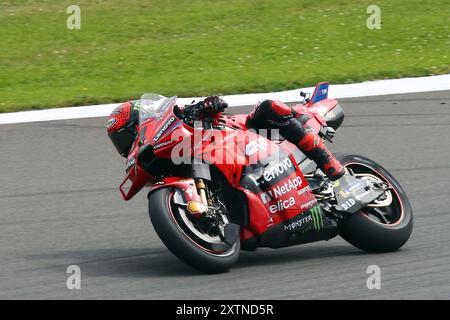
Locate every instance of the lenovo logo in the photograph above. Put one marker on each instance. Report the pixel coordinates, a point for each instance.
(277, 169)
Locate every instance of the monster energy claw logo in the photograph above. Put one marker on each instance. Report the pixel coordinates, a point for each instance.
(316, 213)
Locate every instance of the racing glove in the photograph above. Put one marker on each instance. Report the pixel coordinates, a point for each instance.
(214, 104)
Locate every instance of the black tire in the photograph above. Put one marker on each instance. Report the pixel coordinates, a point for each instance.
(161, 213)
(366, 233)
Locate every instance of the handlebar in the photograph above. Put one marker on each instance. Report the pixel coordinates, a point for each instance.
(200, 111)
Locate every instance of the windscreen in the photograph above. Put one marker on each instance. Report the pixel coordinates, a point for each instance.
(152, 104)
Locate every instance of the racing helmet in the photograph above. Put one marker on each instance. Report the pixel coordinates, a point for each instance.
(122, 126)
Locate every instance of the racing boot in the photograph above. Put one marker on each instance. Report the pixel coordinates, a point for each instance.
(352, 194)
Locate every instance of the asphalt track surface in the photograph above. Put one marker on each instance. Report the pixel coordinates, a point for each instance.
(59, 206)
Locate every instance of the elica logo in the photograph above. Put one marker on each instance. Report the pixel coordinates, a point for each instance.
(163, 129)
(282, 205)
(277, 169)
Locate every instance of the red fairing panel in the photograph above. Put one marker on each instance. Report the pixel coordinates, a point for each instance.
(186, 186)
(260, 218)
(316, 111)
(283, 195)
(137, 178)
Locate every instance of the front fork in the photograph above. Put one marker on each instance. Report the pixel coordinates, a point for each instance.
(201, 190)
(228, 232)
(200, 173)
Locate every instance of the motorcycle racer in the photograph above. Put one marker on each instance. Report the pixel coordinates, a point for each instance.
(207, 211)
(123, 121)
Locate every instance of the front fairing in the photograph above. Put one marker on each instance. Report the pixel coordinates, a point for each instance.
(152, 130)
(155, 129)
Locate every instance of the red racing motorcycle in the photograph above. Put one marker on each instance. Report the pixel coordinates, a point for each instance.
(216, 187)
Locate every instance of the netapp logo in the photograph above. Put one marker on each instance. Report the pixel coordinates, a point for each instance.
(277, 169)
(163, 129)
(281, 190)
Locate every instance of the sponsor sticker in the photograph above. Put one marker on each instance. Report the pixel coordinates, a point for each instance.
(281, 190)
(350, 188)
(111, 122)
(162, 144)
(316, 213)
(258, 145)
(309, 204)
(304, 190)
(298, 223)
(314, 216)
(277, 170)
(130, 163)
(348, 204)
(282, 205)
(362, 195)
(164, 129)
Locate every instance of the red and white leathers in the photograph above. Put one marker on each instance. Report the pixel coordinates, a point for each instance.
(266, 115)
(277, 115)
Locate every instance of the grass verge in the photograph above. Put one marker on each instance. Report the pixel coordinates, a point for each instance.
(199, 47)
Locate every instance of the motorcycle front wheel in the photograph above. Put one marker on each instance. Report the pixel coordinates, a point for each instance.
(193, 245)
(381, 228)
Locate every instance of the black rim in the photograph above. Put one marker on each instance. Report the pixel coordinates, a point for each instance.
(207, 243)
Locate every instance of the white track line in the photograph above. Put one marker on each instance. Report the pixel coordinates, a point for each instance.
(364, 89)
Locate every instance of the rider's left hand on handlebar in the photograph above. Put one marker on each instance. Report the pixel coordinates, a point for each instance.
(210, 106)
(214, 104)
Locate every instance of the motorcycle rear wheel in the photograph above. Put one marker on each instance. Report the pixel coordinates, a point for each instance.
(381, 229)
(203, 252)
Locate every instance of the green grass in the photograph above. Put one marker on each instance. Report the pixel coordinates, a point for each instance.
(199, 47)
